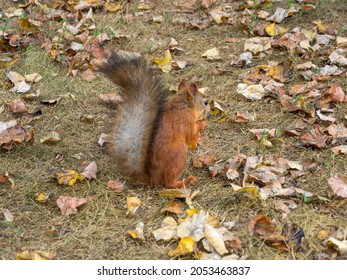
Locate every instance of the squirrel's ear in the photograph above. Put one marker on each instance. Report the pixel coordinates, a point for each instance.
(182, 84)
(193, 88)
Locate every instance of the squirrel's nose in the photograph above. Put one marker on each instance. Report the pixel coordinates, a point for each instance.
(206, 102)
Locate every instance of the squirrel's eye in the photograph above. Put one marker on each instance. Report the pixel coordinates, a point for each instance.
(206, 102)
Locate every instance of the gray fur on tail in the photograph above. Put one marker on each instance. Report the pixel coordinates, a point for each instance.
(138, 116)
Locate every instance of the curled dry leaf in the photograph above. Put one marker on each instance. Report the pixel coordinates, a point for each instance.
(164, 63)
(251, 92)
(52, 138)
(186, 246)
(215, 239)
(262, 226)
(338, 184)
(314, 137)
(68, 205)
(217, 110)
(133, 204)
(173, 207)
(12, 133)
(138, 232)
(42, 197)
(90, 170)
(17, 106)
(201, 161)
(340, 246)
(243, 117)
(68, 177)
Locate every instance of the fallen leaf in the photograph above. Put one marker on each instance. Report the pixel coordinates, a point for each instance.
(35, 255)
(164, 63)
(212, 54)
(342, 149)
(68, 205)
(133, 204)
(314, 137)
(173, 206)
(90, 171)
(262, 226)
(12, 133)
(243, 117)
(251, 92)
(41, 197)
(340, 246)
(52, 138)
(138, 232)
(201, 161)
(68, 178)
(17, 106)
(215, 239)
(115, 185)
(338, 184)
(186, 246)
(112, 7)
(217, 110)
(8, 216)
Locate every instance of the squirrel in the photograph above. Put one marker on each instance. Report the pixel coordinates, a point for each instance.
(150, 131)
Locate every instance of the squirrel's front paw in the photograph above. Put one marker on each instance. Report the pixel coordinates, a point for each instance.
(191, 181)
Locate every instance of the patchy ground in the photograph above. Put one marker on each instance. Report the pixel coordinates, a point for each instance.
(68, 97)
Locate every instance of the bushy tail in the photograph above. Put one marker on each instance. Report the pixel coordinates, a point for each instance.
(138, 117)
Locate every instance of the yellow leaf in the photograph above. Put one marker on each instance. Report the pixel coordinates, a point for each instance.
(8, 59)
(250, 191)
(191, 212)
(164, 63)
(271, 29)
(143, 6)
(25, 25)
(41, 197)
(185, 246)
(138, 232)
(217, 110)
(36, 255)
(112, 7)
(133, 204)
(68, 178)
(215, 239)
(52, 138)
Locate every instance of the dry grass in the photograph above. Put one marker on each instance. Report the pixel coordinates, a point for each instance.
(99, 230)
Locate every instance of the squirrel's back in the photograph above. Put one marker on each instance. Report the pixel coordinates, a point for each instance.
(138, 116)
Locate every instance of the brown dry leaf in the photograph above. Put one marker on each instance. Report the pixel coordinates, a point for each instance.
(243, 117)
(336, 130)
(314, 137)
(88, 75)
(7, 59)
(68, 178)
(90, 170)
(202, 161)
(339, 57)
(279, 15)
(115, 185)
(17, 106)
(336, 94)
(8, 216)
(286, 206)
(342, 149)
(290, 239)
(338, 184)
(173, 207)
(36, 255)
(111, 98)
(186, 246)
(257, 44)
(68, 205)
(35, 77)
(133, 204)
(12, 133)
(262, 226)
(138, 232)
